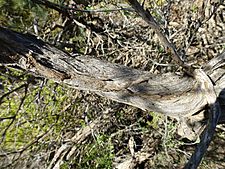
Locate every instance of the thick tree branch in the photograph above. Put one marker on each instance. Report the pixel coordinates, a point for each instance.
(169, 94)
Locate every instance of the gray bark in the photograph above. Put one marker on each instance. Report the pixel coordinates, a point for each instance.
(170, 94)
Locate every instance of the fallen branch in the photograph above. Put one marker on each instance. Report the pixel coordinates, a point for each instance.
(170, 94)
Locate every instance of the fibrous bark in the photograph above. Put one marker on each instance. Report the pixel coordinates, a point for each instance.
(170, 94)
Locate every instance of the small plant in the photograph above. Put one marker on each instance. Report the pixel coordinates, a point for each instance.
(98, 154)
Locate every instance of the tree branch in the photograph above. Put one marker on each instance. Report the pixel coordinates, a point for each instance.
(169, 94)
(164, 40)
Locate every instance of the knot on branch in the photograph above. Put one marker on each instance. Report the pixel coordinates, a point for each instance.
(206, 86)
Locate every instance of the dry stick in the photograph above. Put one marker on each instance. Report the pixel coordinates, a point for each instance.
(178, 96)
(155, 26)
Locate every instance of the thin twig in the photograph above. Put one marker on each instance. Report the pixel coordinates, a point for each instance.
(216, 7)
(62, 8)
(8, 93)
(14, 118)
(21, 151)
(7, 118)
(100, 10)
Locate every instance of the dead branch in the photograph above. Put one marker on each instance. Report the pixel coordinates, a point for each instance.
(170, 94)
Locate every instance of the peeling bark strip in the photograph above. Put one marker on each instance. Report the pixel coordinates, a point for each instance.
(170, 94)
